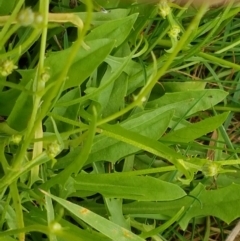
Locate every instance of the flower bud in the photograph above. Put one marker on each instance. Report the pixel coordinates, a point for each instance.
(164, 8)
(53, 149)
(143, 99)
(7, 67)
(55, 227)
(210, 169)
(174, 32)
(16, 139)
(26, 17)
(45, 76)
(38, 18)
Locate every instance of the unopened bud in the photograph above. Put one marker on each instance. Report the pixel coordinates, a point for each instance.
(174, 32)
(26, 17)
(16, 139)
(164, 8)
(38, 18)
(7, 67)
(53, 149)
(210, 169)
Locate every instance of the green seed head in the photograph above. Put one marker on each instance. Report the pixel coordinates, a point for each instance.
(164, 8)
(55, 227)
(210, 169)
(38, 18)
(7, 67)
(45, 76)
(26, 17)
(16, 139)
(174, 32)
(53, 149)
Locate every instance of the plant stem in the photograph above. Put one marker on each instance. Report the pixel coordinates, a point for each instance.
(220, 61)
(40, 84)
(18, 209)
(37, 98)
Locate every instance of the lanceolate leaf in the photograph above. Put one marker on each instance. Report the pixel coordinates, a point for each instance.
(189, 102)
(129, 187)
(85, 63)
(116, 30)
(183, 86)
(35, 216)
(99, 223)
(196, 130)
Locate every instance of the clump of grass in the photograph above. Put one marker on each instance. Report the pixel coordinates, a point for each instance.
(119, 121)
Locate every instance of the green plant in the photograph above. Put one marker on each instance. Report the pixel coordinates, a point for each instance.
(119, 115)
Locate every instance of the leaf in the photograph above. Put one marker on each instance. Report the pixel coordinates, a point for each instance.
(22, 110)
(102, 94)
(170, 87)
(189, 102)
(99, 18)
(36, 216)
(116, 99)
(8, 98)
(114, 70)
(148, 123)
(85, 62)
(117, 30)
(99, 223)
(118, 65)
(9, 215)
(114, 207)
(183, 86)
(194, 131)
(7, 239)
(129, 187)
(6, 7)
(69, 112)
(222, 203)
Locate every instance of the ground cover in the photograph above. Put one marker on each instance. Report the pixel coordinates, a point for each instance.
(119, 120)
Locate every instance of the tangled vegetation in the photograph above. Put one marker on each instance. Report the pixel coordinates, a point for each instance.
(119, 120)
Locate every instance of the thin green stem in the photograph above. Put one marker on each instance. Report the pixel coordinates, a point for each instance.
(218, 60)
(18, 209)
(39, 85)
(227, 108)
(229, 162)
(36, 87)
(207, 229)
(32, 228)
